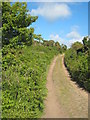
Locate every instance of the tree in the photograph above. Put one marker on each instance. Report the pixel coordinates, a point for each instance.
(15, 20)
(51, 43)
(85, 43)
(77, 45)
(63, 47)
(45, 43)
(58, 45)
(38, 37)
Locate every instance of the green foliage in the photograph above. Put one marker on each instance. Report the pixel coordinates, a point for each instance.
(24, 65)
(48, 43)
(58, 45)
(77, 45)
(86, 44)
(24, 81)
(15, 20)
(38, 37)
(63, 48)
(77, 64)
(51, 43)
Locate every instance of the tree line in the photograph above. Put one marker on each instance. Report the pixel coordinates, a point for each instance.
(15, 23)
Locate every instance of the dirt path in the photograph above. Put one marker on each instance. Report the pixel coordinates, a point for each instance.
(52, 105)
(65, 99)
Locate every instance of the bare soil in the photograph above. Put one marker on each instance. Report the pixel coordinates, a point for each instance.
(65, 99)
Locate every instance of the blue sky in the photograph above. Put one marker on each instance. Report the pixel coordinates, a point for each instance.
(63, 22)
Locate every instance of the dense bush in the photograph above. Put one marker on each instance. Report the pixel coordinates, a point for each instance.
(76, 61)
(24, 65)
(24, 80)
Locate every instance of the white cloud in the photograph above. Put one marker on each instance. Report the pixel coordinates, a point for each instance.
(52, 11)
(57, 38)
(76, 37)
(73, 35)
(71, 41)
